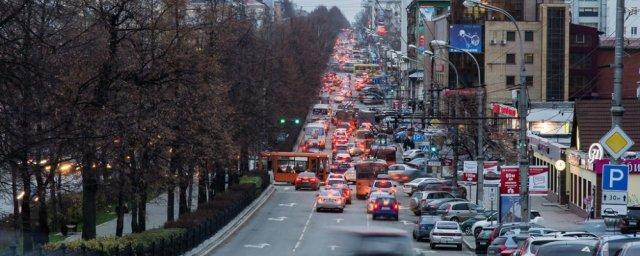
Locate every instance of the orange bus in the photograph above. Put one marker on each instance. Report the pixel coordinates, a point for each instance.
(366, 172)
(287, 165)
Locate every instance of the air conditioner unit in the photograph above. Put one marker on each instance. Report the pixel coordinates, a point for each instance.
(493, 42)
(503, 42)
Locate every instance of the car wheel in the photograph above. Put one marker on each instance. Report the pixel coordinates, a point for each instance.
(317, 209)
(416, 213)
(459, 247)
(415, 237)
(455, 219)
(396, 217)
(477, 231)
(432, 246)
(341, 210)
(297, 188)
(373, 217)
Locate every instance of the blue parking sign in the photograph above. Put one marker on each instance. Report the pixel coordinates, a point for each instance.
(615, 177)
(418, 137)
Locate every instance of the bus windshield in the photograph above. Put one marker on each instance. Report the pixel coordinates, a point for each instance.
(370, 170)
(314, 131)
(320, 111)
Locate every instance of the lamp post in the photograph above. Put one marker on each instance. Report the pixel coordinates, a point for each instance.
(413, 90)
(522, 112)
(481, 121)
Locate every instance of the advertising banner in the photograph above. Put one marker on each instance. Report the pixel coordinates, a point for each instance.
(470, 171)
(509, 180)
(538, 180)
(491, 171)
(427, 13)
(510, 208)
(634, 165)
(467, 37)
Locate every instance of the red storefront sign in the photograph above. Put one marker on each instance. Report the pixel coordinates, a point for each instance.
(634, 165)
(504, 110)
(509, 180)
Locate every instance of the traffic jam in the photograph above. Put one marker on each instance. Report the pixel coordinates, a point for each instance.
(364, 162)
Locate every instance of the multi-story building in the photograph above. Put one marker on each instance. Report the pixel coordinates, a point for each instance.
(601, 14)
(583, 61)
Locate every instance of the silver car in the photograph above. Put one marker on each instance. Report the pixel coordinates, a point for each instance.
(446, 233)
(458, 211)
(330, 200)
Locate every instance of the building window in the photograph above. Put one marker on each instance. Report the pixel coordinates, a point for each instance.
(528, 58)
(511, 81)
(588, 12)
(511, 58)
(511, 36)
(528, 80)
(580, 40)
(634, 30)
(528, 36)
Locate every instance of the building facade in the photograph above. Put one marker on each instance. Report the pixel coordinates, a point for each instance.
(601, 14)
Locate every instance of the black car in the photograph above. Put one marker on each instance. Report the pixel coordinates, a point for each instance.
(431, 207)
(631, 222)
(482, 240)
(568, 247)
(423, 227)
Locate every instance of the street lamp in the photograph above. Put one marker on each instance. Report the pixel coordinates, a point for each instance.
(480, 143)
(455, 70)
(522, 111)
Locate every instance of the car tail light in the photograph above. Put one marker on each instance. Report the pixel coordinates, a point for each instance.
(502, 247)
(320, 200)
(313, 180)
(339, 200)
(375, 206)
(396, 207)
(298, 180)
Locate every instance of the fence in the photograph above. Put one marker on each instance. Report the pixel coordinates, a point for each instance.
(175, 245)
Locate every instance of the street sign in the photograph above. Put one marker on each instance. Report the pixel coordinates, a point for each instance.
(615, 182)
(615, 177)
(434, 163)
(616, 142)
(614, 197)
(470, 171)
(509, 180)
(418, 137)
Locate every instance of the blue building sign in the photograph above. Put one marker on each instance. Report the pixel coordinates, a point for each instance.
(467, 37)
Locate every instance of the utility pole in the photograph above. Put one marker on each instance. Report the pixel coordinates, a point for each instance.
(616, 99)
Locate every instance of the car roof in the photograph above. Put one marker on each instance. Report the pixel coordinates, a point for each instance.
(606, 239)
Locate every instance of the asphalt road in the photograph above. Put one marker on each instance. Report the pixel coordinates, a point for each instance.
(287, 224)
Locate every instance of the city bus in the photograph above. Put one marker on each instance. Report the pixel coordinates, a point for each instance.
(366, 172)
(319, 111)
(286, 165)
(315, 132)
(360, 69)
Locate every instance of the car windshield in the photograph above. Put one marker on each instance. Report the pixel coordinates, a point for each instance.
(382, 184)
(428, 220)
(536, 244)
(568, 249)
(306, 174)
(633, 213)
(485, 233)
(335, 182)
(499, 240)
(330, 192)
(446, 225)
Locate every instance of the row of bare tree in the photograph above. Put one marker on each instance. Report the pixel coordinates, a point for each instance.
(134, 96)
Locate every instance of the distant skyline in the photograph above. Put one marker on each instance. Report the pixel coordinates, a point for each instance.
(349, 8)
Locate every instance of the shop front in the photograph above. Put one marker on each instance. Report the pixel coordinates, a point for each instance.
(550, 154)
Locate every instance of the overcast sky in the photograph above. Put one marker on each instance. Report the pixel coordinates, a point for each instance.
(348, 7)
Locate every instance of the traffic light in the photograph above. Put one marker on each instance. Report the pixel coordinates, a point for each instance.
(433, 149)
(296, 121)
(282, 121)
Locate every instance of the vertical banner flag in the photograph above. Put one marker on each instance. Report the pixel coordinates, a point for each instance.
(470, 171)
(509, 180)
(538, 180)
(491, 171)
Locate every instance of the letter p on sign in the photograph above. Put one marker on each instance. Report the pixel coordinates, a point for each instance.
(615, 177)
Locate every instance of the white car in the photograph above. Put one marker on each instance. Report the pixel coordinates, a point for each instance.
(446, 233)
(411, 154)
(336, 176)
(492, 220)
(399, 172)
(411, 185)
(385, 186)
(350, 175)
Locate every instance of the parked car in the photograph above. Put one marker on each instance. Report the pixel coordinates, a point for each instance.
(530, 246)
(486, 222)
(307, 180)
(423, 227)
(409, 187)
(443, 185)
(446, 233)
(418, 163)
(630, 223)
(502, 243)
(581, 234)
(419, 199)
(503, 228)
(571, 247)
(467, 225)
(612, 245)
(630, 249)
(330, 199)
(431, 207)
(541, 231)
(386, 206)
(458, 211)
(482, 239)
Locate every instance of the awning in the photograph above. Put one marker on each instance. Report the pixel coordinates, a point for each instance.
(417, 74)
(561, 115)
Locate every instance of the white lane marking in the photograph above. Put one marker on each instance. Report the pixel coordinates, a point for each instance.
(261, 246)
(286, 188)
(407, 222)
(333, 247)
(404, 207)
(339, 220)
(306, 225)
(281, 218)
(288, 205)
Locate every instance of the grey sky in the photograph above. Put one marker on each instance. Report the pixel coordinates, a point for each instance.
(348, 7)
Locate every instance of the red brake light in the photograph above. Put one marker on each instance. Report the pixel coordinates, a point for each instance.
(396, 206)
(313, 179)
(502, 247)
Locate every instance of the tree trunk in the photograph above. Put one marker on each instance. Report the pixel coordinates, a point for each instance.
(244, 160)
(25, 208)
(55, 222)
(211, 184)
(190, 191)
(43, 220)
(171, 186)
(89, 191)
(219, 179)
(202, 186)
(120, 204)
(182, 201)
(14, 192)
(142, 211)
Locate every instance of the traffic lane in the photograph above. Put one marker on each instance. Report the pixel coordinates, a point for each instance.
(275, 228)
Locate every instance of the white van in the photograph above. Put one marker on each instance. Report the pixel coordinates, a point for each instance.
(319, 111)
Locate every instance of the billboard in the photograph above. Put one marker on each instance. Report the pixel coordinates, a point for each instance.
(470, 171)
(538, 180)
(467, 37)
(427, 13)
(510, 209)
(509, 180)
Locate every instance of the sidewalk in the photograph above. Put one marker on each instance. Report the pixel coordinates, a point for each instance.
(156, 217)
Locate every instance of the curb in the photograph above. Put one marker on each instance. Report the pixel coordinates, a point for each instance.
(469, 246)
(223, 234)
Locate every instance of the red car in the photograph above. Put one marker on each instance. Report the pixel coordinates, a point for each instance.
(307, 180)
